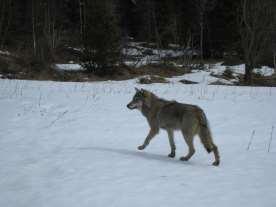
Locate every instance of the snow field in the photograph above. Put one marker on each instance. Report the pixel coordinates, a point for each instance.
(74, 144)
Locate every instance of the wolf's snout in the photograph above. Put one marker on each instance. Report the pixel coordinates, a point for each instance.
(131, 106)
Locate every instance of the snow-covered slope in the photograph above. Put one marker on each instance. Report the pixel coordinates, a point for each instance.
(213, 73)
(74, 144)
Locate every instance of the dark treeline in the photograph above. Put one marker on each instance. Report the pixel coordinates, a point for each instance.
(215, 28)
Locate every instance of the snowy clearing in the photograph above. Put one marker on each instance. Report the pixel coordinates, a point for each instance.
(74, 144)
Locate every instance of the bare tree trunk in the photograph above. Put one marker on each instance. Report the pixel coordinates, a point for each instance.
(82, 19)
(255, 30)
(148, 19)
(175, 30)
(5, 20)
(203, 6)
(3, 14)
(201, 39)
(187, 55)
(248, 74)
(40, 31)
(33, 27)
(157, 35)
(274, 60)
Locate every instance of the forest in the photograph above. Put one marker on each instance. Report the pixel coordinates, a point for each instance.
(96, 32)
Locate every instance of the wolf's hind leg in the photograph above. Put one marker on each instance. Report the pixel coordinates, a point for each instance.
(189, 140)
(151, 134)
(216, 154)
(172, 144)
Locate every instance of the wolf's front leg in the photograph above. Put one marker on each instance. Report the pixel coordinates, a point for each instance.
(172, 144)
(152, 133)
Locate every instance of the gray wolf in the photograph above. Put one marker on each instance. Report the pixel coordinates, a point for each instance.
(171, 116)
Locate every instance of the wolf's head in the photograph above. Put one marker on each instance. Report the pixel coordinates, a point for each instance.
(140, 98)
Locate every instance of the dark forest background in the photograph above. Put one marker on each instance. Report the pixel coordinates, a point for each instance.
(42, 32)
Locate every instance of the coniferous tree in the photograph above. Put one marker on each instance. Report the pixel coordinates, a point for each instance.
(101, 40)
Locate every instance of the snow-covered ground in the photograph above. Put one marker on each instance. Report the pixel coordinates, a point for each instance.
(69, 67)
(206, 77)
(137, 55)
(198, 76)
(218, 69)
(74, 144)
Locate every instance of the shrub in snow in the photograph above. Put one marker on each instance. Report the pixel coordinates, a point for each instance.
(228, 74)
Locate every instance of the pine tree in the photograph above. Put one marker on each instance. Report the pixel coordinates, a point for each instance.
(101, 40)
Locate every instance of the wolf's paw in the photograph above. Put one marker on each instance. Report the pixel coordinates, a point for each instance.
(184, 158)
(141, 147)
(172, 155)
(216, 163)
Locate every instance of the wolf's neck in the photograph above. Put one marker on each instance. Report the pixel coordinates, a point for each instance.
(155, 105)
(145, 110)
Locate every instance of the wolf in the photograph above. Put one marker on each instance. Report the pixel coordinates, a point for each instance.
(171, 116)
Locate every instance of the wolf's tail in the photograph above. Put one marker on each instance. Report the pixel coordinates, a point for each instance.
(205, 133)
(206, 137)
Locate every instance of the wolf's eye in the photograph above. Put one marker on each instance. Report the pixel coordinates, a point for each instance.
(138, 95)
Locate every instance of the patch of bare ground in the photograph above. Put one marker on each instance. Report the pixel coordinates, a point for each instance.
(184, 81)
(220, 82)
(20, 68)
(149, 79)
(259, 80)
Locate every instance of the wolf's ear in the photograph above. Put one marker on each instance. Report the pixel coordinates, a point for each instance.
(144, 92)
(136, 89)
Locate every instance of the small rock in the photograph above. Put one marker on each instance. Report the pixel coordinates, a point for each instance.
(184, 81)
